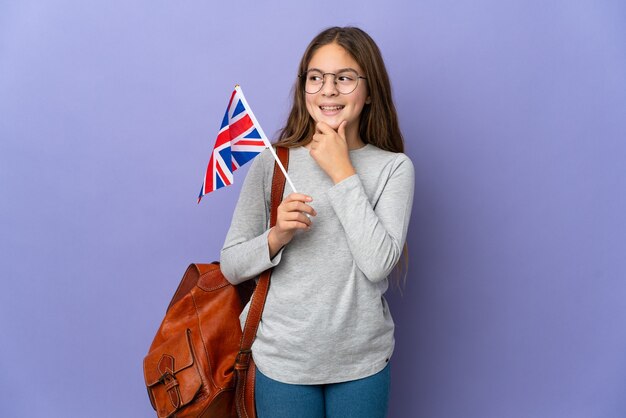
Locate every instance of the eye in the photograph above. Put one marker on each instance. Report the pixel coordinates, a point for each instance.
(346, 77)
(314, 76)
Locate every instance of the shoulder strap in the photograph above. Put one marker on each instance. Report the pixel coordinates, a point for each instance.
(260, 293)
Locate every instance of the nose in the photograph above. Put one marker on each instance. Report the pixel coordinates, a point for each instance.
(328, 87)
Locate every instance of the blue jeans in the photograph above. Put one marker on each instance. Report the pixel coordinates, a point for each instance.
(362, 398)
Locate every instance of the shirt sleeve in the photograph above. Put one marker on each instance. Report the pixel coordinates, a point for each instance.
(245, 253)
(376, 233)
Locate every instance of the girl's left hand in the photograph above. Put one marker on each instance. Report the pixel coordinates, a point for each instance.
(329, 148)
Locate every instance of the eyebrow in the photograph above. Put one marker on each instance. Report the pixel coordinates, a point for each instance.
(338, 71)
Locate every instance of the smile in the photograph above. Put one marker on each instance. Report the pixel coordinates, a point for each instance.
(331, 108)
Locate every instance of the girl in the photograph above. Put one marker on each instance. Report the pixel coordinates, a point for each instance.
(326, 336)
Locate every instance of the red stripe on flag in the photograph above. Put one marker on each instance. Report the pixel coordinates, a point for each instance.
(230, 102)
(208, 177)
(258, 142)
(221, 173)
(240, 126)
(222, 138)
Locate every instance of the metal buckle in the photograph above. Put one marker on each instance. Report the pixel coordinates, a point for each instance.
(238, 357)
(166, 377)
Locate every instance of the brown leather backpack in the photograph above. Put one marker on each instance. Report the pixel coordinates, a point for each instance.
(200, 362)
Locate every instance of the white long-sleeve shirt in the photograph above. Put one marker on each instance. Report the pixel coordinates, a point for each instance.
(325, 318)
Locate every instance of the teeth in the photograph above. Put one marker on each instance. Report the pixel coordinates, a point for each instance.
(331, 107)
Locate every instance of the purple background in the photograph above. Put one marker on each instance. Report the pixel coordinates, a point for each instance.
(514, 115)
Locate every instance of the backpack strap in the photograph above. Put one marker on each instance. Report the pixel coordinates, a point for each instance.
(260, 293)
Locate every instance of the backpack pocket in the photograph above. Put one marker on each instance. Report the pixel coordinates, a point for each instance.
(171, 374)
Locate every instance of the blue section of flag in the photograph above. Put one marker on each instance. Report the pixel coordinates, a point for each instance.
(226, 155)
(238, 109)
(243, 157)
(225, 120)
(254, 134)
(218, 183)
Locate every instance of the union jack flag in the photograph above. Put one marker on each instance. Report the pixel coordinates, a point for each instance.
(239, 140)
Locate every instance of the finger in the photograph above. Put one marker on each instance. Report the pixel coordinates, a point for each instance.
(297, 217)
(299, 225)
(297, 197)
(324, 128)
(301, 207)
(304, 218)
(342, 129)
(297, 220)
(288, 226)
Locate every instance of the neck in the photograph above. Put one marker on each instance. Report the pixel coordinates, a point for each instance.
(353, 139)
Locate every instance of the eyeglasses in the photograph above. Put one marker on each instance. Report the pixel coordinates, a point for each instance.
(346, 81)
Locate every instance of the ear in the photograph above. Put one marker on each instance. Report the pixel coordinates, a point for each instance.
(368, 100)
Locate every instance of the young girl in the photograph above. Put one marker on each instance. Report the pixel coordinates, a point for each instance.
(326, 336)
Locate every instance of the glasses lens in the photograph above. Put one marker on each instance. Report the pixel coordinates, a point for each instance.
(314, 80)
(347, 81)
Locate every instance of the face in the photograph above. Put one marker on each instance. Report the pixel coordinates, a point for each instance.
(328, 105)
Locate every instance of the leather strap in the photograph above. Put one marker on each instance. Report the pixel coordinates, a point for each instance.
(260, 293)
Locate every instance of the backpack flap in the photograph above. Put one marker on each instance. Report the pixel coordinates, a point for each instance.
(171, 375)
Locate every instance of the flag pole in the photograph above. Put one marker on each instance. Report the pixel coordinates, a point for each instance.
(265, 140)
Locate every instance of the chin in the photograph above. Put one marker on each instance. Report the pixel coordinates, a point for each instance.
(333, 123)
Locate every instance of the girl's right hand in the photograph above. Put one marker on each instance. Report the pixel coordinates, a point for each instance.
(291, 216)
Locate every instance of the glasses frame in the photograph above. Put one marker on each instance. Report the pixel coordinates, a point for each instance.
(303, 77)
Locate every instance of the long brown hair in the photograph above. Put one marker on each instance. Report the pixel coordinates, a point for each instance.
(378, 123)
